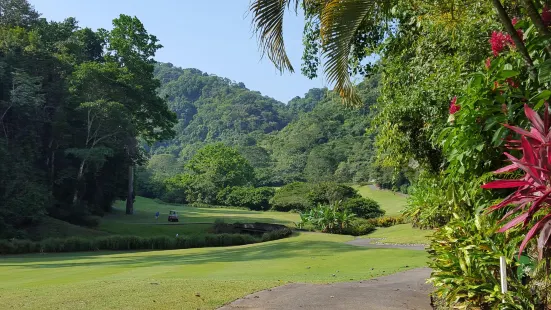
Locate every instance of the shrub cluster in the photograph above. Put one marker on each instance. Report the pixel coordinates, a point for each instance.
(363, 207)
(387, 221)
(291, 197)
(253, 198)
(304, 196)
(120, 243)
(359, 227)
(330, 192)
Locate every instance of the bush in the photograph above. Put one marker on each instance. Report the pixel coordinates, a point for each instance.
(387, 221)
(363, 207)
(328, 218)
(249, 197)
(291, 197)
(359, 227)
(330, 192)
(465, 262)
(118, 243)
(428, 206)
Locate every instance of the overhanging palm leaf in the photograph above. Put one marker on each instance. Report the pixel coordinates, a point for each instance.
(268, 25)
(340, 21)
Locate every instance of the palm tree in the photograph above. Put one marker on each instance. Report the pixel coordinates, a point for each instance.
(340, 21)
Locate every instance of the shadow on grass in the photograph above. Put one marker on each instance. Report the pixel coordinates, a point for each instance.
(264, 251)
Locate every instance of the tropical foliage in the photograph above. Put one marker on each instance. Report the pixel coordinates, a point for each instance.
(73, 103)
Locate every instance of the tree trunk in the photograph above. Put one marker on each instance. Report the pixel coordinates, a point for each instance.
(79, 179)
(506, 21)
(130, 197)
(538, 22)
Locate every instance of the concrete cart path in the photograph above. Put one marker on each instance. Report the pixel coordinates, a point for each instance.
(404, 290)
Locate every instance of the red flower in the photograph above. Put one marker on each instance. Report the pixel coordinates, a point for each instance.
(454, 108)
(514, 21)
(488, 63)
(511, 83)
(520, 34)
(546, 15)
(499, 41)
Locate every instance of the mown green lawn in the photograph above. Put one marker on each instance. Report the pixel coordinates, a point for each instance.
(171, 279)
(401, 234)
(391, 202)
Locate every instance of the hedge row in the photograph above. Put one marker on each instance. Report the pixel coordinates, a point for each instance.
(121, 243)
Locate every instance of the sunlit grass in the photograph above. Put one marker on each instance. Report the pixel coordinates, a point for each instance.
(171, 279)
(393, 203)
(401, 234)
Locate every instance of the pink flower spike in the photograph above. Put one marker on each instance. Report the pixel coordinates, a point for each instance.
(454, 107)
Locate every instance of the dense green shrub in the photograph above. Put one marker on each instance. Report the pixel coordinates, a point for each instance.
(327, 218)
(465, 262)
(249, 197)
(118, 243)
(330, 192)
(428, 205)
(276, 234)
(387, 221)
(291, 197)
(363, 207)
(359, 227)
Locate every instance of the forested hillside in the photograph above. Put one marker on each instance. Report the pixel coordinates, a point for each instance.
(312, 138)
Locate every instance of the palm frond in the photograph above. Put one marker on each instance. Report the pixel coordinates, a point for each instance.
(268, 25)
(340, 21)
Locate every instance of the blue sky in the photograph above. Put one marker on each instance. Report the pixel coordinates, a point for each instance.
(213, 36)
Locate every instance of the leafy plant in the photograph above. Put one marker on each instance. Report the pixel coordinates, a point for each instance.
(363, 207)
(328, 218)
(249, 197)
(465, 262)
(533, 190)
(330, 192)
(291, 197)
(387, 221)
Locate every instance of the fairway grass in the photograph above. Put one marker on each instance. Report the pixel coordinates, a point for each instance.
(393, 203)
(401, 234)
(172, 279)
(192, 220)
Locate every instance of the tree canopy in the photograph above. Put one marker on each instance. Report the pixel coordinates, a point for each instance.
(73, 102)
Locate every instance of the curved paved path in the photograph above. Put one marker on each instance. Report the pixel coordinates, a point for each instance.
(400, 291)
(404, 290)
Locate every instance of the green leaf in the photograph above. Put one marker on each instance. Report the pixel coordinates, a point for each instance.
(507, 74)
(544, 71)
(542, 95)
(497, 136)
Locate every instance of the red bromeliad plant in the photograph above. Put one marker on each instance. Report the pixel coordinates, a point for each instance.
(533, 195)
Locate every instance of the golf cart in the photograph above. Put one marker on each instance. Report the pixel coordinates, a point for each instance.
(172, 216)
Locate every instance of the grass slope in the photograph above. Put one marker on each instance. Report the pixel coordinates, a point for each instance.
(393, 203)
(390, 201)
(54, 228)
(171, 279)
(401, 234)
